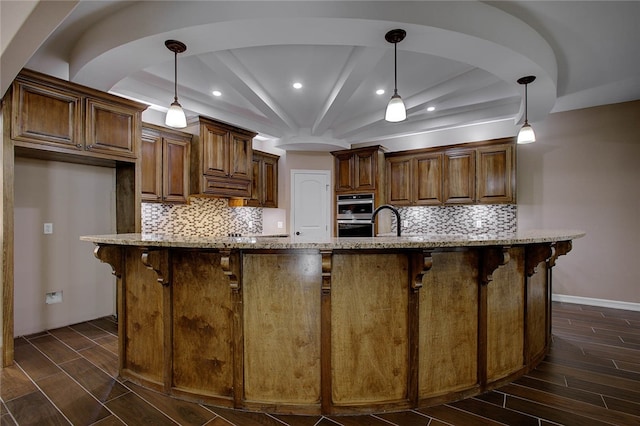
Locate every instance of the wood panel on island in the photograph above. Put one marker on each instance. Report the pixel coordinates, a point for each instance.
(326, 329)
(165, 160)
(480, 172)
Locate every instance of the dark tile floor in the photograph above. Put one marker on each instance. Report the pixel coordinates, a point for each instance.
(590, 377)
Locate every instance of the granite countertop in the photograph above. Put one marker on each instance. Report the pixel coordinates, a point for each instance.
(381, 242)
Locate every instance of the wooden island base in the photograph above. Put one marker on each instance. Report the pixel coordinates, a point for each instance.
(331, 331)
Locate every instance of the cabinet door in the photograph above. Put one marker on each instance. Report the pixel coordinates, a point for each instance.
(46, 116)
(399, 181)
(215, 151)
(459, 176)
(240, 160)
(151, 166)
(270, 182)
(111, 129)
(257, 192)
(365, 171)
(344, 172)
(427, 179)
(175, 166)
(495, 174)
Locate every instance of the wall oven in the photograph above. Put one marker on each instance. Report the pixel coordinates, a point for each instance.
(353, 215)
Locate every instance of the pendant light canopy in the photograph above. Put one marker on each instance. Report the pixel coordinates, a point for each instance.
(526, 134)
(395, 108)
(175, 115)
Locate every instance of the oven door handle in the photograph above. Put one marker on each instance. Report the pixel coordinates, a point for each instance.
(354, 222)
(349, 202)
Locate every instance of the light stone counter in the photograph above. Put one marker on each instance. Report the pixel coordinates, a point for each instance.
(381, 242)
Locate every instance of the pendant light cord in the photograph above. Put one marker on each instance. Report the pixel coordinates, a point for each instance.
(395, 68)
(526, 101)
(175, 75)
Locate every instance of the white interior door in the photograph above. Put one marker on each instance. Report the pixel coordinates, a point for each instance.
(310, 204)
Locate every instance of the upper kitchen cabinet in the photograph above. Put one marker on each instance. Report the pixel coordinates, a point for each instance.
(459, 176)
(264, 186)
(61, 117)
(165, 160)
(472, 173)
(359, 170)
(414, 180)
(221, 159)
(496, 174)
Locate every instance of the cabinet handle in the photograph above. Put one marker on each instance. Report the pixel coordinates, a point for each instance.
(78, 145)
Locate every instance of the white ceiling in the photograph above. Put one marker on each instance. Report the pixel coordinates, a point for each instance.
(462, 57)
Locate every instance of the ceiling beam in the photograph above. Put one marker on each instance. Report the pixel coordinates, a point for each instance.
(359, 63)
(234, 73)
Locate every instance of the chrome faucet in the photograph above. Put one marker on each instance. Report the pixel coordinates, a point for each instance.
(393, 209)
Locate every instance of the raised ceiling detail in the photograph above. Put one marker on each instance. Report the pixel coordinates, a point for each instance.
(463, 58)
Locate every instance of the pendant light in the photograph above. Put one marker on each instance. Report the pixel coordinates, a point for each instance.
(175, 115)
(526, 134)
(395, 108)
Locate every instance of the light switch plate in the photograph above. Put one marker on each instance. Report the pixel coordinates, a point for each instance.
(48, 228)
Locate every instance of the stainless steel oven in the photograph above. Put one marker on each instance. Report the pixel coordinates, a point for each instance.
(353, 215)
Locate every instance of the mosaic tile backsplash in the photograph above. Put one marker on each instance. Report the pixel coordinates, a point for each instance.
(211, 217)
(466, 219)
(202, 217)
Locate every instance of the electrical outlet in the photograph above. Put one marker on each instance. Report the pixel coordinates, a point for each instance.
(280, 224)
(53, 297)
(250, 224)
(48, 228)
(478, 223)
(405, 223)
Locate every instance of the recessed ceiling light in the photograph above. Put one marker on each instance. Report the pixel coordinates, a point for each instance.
(297, 85)
(431, 108)
(217, 93)
(380, 92)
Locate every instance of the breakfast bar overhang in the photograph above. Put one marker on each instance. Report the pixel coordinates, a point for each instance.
(344, 326)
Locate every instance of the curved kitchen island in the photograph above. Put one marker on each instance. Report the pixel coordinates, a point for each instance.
(351, 325)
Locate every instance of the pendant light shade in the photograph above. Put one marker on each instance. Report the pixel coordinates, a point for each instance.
(526, 134)
(175, 115)
(396, 110)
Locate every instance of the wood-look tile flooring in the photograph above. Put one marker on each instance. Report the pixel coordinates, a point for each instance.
(590, 377)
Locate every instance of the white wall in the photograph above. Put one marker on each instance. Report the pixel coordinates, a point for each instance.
(77, 200)
(583, 173)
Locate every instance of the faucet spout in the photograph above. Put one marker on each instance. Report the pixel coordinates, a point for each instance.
(395, 212)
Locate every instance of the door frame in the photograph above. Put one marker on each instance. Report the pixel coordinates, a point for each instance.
(328, 197)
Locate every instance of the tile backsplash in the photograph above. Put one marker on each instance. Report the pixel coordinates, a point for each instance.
(465, 219)
(202, 217)
(212, 217)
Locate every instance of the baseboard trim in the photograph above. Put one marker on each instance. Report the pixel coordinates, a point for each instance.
(615, 304)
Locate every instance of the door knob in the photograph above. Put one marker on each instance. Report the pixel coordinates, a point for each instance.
(297, 232)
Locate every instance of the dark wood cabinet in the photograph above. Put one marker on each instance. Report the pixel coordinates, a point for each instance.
(359, 170)
(414, 180)
(496, 178)
(165, 160)
(264, 185)
(459, 176)
(427, 178)
(58, 116)
(482, 173)
(221, 159)
(399, 181)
